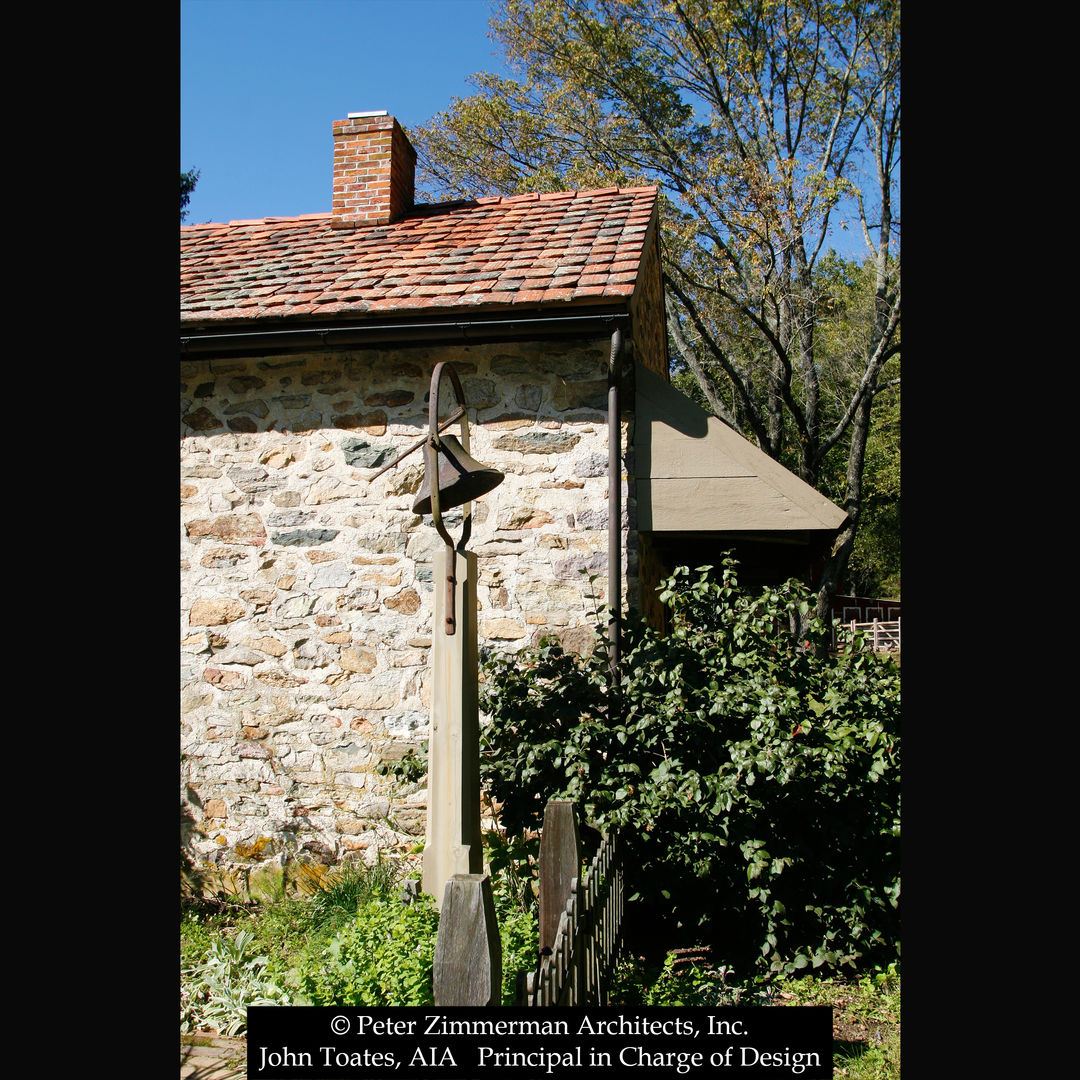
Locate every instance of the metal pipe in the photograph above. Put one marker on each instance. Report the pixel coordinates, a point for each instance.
(614, 511)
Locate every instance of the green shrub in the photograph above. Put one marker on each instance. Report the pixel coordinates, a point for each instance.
(216, 993)
(697, 982)
(519, 936)
(383, 957)
(753, 775)
(197, 935)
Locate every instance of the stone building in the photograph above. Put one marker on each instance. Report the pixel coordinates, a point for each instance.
(307, 346)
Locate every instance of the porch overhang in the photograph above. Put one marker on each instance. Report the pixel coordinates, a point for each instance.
(697, 475)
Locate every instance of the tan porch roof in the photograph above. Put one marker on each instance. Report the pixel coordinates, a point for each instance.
(695, 474)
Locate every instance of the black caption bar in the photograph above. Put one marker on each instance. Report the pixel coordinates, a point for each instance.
(325, 1043)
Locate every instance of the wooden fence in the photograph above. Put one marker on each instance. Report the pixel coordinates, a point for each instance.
(578, 951)
(876, 635)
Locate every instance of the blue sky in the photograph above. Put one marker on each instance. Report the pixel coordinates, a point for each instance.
(261, 82)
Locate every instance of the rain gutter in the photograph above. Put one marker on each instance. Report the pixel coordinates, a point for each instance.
(238, 342)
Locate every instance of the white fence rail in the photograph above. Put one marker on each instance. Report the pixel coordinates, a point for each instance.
(878, 635)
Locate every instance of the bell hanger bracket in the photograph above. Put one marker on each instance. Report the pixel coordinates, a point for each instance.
(432, 446)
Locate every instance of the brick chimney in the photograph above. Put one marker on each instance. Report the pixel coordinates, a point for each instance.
(374, 171)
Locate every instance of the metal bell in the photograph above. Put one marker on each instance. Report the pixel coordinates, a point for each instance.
(461, 478)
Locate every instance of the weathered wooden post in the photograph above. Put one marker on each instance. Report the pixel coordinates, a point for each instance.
(580, 916)
(468, 955)
(453, 478)
(560, 863)
(452, 844)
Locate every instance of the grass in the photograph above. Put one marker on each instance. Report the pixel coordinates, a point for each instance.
(866, 1011)
(866, 1021)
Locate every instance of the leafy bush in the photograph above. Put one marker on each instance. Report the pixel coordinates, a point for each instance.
(216, 993)
(512, 865)
(519, 936)
(197, 935)
(698, 983)
(383, 957)
(513, 862)
(753, 775)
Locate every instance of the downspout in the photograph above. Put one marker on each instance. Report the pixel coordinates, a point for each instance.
(614, 515)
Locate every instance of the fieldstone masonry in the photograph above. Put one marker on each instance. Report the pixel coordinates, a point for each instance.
(307, 591)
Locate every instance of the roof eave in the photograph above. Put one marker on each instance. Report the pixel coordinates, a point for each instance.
(253, 337)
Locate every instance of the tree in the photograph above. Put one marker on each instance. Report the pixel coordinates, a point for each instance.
(188, 180)
(874, 569)
(874, 566)
(769, 126)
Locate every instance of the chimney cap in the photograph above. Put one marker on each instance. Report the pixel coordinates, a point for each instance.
(370, 112)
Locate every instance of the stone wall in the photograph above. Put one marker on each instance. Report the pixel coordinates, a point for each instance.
(307, 593)
(647, 305)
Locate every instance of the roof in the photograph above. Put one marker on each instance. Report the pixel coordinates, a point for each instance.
(694, 473)
(562, 248)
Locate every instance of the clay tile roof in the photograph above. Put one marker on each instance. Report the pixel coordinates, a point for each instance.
(567, 247)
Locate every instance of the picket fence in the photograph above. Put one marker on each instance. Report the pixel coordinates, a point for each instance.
(575, 969)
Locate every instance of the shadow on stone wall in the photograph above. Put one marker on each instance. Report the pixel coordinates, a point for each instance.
(192, 881)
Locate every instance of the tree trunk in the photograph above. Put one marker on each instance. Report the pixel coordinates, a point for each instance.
(836, 564)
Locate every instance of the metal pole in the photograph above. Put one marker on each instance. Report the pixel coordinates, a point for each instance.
(614, 513)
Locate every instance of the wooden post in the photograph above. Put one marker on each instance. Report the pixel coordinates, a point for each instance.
(468, 953)
(453, 843)
(560, 863)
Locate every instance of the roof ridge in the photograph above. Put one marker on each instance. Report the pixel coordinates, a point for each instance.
(271, 220)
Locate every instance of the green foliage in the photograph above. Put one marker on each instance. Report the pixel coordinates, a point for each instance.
(698, 983)
(197, 934)
(874, 569)
(188, 180)
(754, 777)
(866, 1019)
(849, 304)
(383, 957)
(216, 992)
(353, 941)
(519, 936)
(346, 888)
(410, 768)
(512, 863)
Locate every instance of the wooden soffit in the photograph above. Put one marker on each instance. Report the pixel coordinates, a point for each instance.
(695, 474)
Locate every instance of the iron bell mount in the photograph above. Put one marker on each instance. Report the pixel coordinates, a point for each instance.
(451, 476)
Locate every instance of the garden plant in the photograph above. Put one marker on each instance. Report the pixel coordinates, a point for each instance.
(752, 772)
